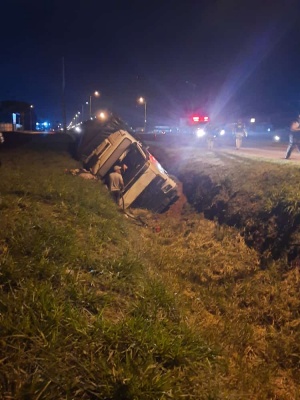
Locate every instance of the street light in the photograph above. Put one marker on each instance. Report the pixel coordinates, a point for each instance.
(31, 107)
(82, 110)
(141, 100)
(102, 115)
(96, 94)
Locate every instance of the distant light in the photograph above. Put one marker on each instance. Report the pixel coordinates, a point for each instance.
(200, 133)
(45, 124)
(102, 115)
(252, 120)
(276, 138)
(269, 129)
(200, 118)
(77, 129)
(222, 132)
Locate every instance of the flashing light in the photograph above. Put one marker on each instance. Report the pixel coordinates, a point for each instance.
(199, 118)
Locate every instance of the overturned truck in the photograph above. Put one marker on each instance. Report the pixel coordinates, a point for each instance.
(103, 145)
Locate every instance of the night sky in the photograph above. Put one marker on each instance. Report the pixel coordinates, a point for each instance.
(221, 57)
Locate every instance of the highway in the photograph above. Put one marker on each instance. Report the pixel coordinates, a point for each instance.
(251, 147)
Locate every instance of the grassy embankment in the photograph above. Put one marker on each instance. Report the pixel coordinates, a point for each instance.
(261, 198)
(93, 306)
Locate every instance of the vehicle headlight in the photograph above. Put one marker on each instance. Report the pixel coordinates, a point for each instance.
(200, 132)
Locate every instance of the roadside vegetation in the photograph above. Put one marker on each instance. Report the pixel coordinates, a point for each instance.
(260, 198)
(94, 305)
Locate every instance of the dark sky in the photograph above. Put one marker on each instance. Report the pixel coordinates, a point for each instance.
(218, 56)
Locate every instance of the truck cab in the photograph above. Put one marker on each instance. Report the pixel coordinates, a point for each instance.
(146, 183)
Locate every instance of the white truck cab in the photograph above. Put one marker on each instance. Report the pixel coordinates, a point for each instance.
(146, 183)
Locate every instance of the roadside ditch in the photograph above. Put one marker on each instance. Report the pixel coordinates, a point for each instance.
(274, 232)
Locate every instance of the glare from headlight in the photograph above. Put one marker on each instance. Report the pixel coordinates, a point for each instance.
(200, 133)
(276, 138)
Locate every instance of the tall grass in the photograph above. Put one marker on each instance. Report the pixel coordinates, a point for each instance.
(94, 306)
(80, 317)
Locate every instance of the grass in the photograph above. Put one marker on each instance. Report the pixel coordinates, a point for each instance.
(94, 306)
(258, 197)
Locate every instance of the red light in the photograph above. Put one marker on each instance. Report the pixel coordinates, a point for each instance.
(152, 158)
(199, 118)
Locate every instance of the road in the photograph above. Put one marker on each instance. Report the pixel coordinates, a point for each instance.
(251, 147)
(263, 149)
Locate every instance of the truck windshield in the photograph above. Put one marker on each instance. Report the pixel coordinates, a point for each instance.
(135, 160)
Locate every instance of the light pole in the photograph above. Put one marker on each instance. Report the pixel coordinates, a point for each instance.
(96, 94)
(31, 107)
(141, 100)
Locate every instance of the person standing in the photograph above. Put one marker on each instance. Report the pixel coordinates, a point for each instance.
(210, 137)
(294, 137)
(239, 132)
(116, 184)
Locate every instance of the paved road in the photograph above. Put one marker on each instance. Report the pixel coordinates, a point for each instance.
(264, 150)
(253, 148)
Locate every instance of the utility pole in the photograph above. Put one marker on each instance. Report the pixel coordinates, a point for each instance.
(64, 97)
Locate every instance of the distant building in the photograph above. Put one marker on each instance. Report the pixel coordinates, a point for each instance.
(16, 115)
